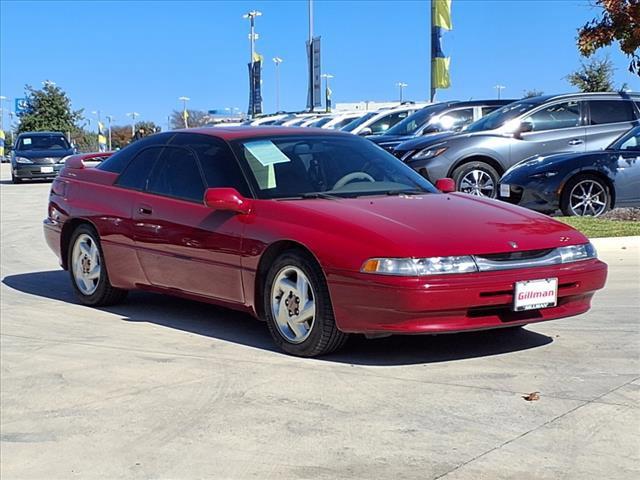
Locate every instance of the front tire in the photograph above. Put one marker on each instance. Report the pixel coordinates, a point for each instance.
(88, 273)
(477, 178)
(298, 308)
(585, 195)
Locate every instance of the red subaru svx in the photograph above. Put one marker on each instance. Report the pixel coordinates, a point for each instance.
(319, 234)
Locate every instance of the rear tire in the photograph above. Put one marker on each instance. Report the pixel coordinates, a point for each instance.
(88, 271)
(298, 307)
(585, 195)
(477, 178)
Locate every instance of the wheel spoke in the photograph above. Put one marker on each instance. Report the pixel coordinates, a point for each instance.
(94, 273)
(307, 312)
(85, 249)
(302, 287)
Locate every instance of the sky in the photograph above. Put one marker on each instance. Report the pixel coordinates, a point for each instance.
(124, 56)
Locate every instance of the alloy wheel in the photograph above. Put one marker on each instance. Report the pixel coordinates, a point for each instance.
(293, 304)
(588, 197)
(85, 264)
(479, 183)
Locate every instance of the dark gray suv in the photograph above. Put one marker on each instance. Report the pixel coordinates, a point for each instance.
(477, 157)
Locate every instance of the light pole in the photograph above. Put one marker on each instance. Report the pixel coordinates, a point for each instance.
(185, 115)
(253, 36)
(401, 86)
(499, 88)
(133, 116)
(97, 113)
(2, 99)
(327, 97)
(110, 120)
(277, 61)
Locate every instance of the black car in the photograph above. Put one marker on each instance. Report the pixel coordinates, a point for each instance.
(578, 183)
(39, 155)
(439, 117)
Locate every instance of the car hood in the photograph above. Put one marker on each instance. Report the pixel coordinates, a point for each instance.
(543, 163)
(418, 143)
(431, 225)
(38, 154)
(381, 139)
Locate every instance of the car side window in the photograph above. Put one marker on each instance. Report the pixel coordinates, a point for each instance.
(488, 110)
(388, 121)
(553, 117)
(217, 161)
(136, 173)
(631, 144)
(457, 118)
(610, 111)
(177, 174)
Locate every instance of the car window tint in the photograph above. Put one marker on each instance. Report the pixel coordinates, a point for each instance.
(388, 121)
(610, 111)
(218, 163)
(117, 162)
(177, 175)
(137, 172)
(456, 118)
(553, 117)
(488, 110)
(632, 143)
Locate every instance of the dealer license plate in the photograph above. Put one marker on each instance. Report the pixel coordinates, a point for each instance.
(46, 169)
(535, 294)
(505, 190)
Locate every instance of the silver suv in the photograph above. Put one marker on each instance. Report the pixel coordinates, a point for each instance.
(477, 157)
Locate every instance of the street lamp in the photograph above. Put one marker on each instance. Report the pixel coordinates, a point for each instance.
(277, 61)
(110, 119)
(327, 98)
(185, 115)
(2, 99)
(401, 86)
(499, 88)
(133, 116)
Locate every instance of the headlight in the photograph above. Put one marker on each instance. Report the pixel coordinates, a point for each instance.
(575, 253)
(429, 152)
(544, 174)
(412, 267)
(23, 160)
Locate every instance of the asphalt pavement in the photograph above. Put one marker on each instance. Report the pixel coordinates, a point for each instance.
(166, 388)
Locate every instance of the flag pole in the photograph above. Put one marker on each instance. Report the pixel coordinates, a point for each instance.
(432, 88)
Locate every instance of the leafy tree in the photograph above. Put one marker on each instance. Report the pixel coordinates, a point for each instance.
(48, 109)
(197, 118)
(120, 136)
(148, 126)
(620, 21)
(532, 93)
(595, 76)
(84, 140)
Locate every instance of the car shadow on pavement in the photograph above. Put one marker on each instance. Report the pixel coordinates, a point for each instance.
(231, 326)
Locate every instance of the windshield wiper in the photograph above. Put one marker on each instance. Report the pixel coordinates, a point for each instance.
(320, 195)
(404, 192)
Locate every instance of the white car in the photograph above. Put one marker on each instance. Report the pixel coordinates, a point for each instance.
(378, 122)
(341, 119)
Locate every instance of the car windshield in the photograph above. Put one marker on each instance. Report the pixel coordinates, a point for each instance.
(323, 166)
(412, 123)
(320, 122)
(349, 127)
(43, 142)
(627, 141)
(501, 116)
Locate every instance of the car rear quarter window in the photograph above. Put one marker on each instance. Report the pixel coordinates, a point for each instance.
(117, 162)
(610, 111)
(218, 163)
(137, 172)
(177, 175)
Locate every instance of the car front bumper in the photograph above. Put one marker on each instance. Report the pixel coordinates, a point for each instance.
(34, 170)
(535, 196)
(377, 304)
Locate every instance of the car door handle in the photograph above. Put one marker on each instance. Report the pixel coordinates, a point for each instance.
(576, 141)
(145, 210)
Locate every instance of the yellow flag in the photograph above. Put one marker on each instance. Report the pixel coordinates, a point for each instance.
(442, 14)
(440, 72)
(257, 57)
(185, 115)
(1, 143)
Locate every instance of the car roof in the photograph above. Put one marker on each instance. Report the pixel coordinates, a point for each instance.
(243, 132)
(545, 98)
(40, 134)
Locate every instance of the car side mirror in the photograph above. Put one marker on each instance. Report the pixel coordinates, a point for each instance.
(524, 127)
(365, 131)
(226, 199)
(446, 185)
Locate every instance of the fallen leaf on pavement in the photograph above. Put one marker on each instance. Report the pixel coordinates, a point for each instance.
(532, 397)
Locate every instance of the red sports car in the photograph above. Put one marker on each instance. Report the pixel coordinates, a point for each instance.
(321, 234)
